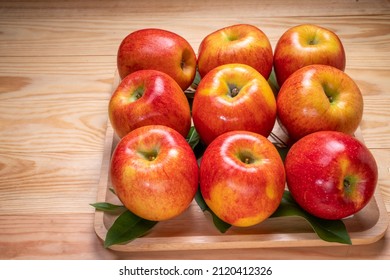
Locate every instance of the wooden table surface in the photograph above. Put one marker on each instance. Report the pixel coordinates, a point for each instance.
(57, 63)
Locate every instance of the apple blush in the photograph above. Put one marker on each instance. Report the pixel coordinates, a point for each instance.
(157, 49)
(307, 44)
(233, 97)
(154, 172)
(242, 178)
(319, 97)
(331, 174)
(240, 43)
(149, 97)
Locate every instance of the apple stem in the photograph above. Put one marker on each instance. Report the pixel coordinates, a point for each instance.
(330, 92)
(246, 157)
(137, 94)
(234, 91)
(148, 155)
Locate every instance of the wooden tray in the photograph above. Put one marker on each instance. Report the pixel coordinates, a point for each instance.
(194, 230)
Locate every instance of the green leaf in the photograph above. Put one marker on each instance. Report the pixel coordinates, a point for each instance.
(283, 151)
(193, 140)
(107, 207)
(127, 227)
(219, 224)
(192, 137)
(190, 92)
(273, 82)
(197, 79)
(327, 230)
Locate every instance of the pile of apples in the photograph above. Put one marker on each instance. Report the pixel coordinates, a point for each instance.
(241, 175)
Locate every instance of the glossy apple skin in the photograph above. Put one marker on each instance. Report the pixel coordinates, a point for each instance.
(307, 44)
(242, 178)
(215, 111)
(154, 172)
(331, 174)
(319, 97)
(159, 50)
(149, 97)
(241, 43)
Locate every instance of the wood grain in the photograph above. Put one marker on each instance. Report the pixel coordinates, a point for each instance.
(63, 100)
(65, 37)
(62, 236)
(193, 9)
(57, 63)
(382, 157)
(42, 183)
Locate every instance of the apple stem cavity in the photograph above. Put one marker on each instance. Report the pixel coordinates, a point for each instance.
(137, 94)
(329, 92)
(246, 157)
(148, 155)
(314, 40)
(230, 36)
(233, 91)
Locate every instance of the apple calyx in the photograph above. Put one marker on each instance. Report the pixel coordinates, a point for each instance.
(349, 183)
(351, 193)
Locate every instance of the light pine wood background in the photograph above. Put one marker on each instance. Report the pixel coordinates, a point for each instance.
(57, 64)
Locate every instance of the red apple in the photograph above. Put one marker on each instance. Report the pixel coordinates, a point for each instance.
(242, 178)
(159, 50)
(331, 174)
(233, 97)
(241, 43)
(154, 172)
(148, 97)
(307, 44)
(319, 97)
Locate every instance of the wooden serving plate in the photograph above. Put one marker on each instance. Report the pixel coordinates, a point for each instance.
(194, 229)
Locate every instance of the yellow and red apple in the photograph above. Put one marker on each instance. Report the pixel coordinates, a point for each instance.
(242, 178)
(157, 49)
(149, 97)
(154, 172)
(307, 44)
(241, 43)
(331, 174)
(319, 97)
(233, 97)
